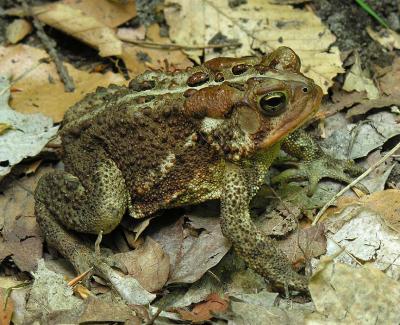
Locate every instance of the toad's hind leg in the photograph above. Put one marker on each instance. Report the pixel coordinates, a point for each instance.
(256, 248)
(92, 204)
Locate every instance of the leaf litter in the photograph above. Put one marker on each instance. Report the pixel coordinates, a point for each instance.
(190, 254)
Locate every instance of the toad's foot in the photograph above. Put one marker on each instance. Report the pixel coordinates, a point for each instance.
(315, 164)
(319, 168)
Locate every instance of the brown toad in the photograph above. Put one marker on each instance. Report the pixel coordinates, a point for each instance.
(174, 139)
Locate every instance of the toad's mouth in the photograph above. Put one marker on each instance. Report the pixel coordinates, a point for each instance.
(296, 122)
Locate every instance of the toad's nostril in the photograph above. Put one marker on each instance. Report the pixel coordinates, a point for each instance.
(305, 89)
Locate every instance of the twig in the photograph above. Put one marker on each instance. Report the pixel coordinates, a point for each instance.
(359, 178)
(50, 44)
(170, 46)
(154, 317)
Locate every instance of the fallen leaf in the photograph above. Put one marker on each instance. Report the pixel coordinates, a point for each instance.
(17, 30)
(386, 37)
(366, 105)
(257, 25)
(20, 236)
(303, 244)
(4, 127)
(130, 34)
(148, 264)
(41, 89)
(263, 298)
(110, 311)
(340, 100)
(79, 25)
(109, 13)
(244, 313)
(6, 309)
(356, 141)
(49, 296)
(367, 229)
(357, 80)
(26, 135)
(355, 296)
(204, 311)
(381, 127)
(390, 82)
(191, 255)
(139, 59)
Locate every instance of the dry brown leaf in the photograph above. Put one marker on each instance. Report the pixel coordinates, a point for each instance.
(148, 264)
(390, 82)
(20, 236)
(204, 311)
(366, 105)
(109, 13)
(139, 59)
(341, 100)
(355, 296)
(5, 310)
(384, 203)
(131, 34)
(257, 24)
(357, 80)
(304, 244)
(76, 23)
(17, 30)
(41, 90)
(388, 38)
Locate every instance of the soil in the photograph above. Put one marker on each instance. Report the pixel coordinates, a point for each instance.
(348, 21)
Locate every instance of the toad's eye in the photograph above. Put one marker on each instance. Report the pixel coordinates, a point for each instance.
(273, 103)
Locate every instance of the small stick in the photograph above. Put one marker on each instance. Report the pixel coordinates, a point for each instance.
(180, 46)
(359, 178)
(50, 44)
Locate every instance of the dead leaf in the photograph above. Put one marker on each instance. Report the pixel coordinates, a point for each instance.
(384, 203)
(355, 296)
(49, 296)
(203, 311)
(244, 313)
(366, 105)
(139, 59)
(129, 34)
(86, 28)
(6, 310)
(107, 311)
(27, 133)
(386, 37)
(367, 230)
(390, 82)
(4, 127)
(191, 255)
(257, 25)
(109, 13)
(357, 80)
(41, 90)
(148, 264)
(75, 22)
(304, 244)
(341, 100)
(20, 234)
(17, 30)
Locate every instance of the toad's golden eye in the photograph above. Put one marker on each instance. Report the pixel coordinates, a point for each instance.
(273, 103)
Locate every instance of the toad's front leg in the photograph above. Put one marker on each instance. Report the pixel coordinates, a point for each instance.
(256, 248)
